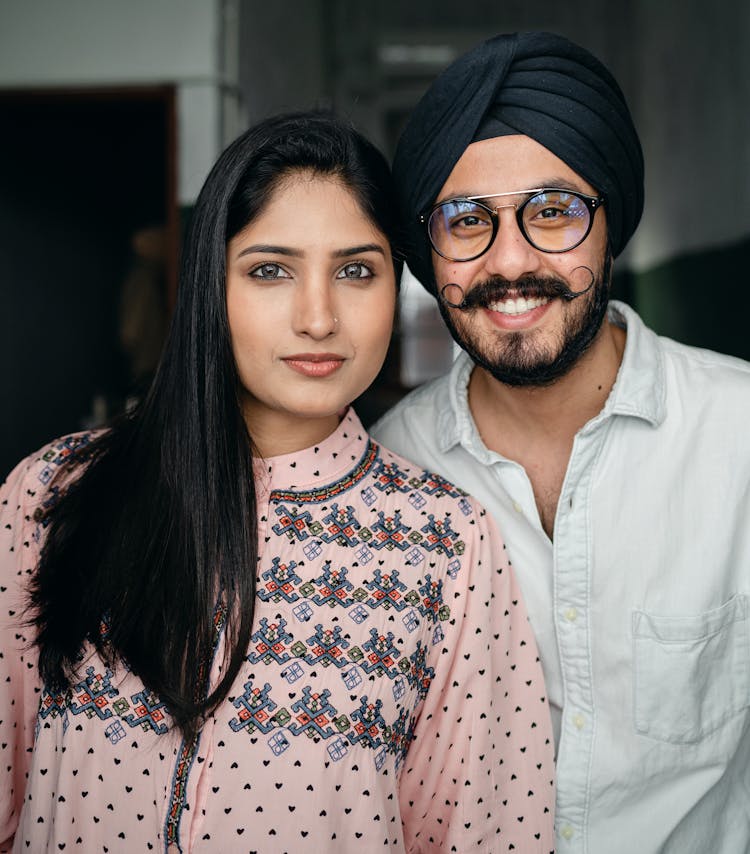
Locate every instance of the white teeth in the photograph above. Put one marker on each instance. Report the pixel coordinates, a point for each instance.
(517, 306)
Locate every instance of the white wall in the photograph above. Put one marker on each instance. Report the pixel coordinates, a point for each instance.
(49, 43)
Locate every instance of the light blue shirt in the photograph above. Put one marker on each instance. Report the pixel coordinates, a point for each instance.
(641, 603)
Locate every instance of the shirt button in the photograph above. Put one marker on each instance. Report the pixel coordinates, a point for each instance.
(579, 721)
(566, 832)
(571, 615)
(517, 507)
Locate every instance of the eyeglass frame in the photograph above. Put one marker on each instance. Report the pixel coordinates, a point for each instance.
(593, 203)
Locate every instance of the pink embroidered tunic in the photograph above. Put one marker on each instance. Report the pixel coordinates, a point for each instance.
(391, 698)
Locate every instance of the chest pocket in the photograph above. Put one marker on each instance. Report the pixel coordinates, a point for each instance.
(691, 673)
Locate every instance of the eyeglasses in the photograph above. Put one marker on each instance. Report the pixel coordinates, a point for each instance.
(551, 220)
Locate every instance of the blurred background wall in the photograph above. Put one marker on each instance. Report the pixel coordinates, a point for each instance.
(112, 114)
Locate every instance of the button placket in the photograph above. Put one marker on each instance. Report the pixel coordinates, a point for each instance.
(572, 555)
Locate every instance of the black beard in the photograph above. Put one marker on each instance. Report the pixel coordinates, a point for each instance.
(514, 365)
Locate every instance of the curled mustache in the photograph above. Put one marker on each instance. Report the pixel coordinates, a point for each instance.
(498, 289)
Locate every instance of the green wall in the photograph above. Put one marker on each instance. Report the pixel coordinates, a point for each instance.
(701, 298)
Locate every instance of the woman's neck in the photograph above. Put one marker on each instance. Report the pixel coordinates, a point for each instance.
(277, 433)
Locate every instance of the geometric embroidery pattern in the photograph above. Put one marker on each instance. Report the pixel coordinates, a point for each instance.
(327, 647)
(341, 526)
(432, 598)
(91, 696)
(389, 478)
(390, 532)
(387, 571)
(370, 724)
(255, 709)
(280, 580)
(149, 712)
(325, 493)
(386, 590)
(313, 714)
(440, 535)
(381, 655)
(433, 484)
(333, 587)
(271, 641)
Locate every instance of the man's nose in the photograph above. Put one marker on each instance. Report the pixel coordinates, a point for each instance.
(510, 255)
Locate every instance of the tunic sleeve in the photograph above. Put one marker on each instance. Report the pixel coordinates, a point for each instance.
(19, 696)
(479, 775)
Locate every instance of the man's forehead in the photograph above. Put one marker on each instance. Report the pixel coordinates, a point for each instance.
(509, 163)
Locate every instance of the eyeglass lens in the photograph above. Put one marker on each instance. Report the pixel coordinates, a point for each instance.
(553, 221)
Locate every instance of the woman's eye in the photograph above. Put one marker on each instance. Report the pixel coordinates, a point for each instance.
(269, 272)
(355, 270)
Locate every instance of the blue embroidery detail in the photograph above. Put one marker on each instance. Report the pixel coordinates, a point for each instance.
(303, 611)
(91, 695)
(327, 647)
(341, 526)
(293, 524)
(115, 732)
(333, 587)
(337, 749)
(255, 709)
(271, 642)
(382, 655)
(359, 614)
(149, 712)
(314, 714)
(280, 580)
(387, 591)
(440, 535)
(390, 533)
(278, 743)
(370, 723)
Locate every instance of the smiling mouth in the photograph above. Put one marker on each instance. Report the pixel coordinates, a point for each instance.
(517, 306)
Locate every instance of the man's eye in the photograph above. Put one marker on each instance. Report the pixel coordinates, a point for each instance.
(468, 221)
(269, 271)
(355, 270)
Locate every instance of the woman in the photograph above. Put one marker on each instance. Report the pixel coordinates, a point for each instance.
(373, 684)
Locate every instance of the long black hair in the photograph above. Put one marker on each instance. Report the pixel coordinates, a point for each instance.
(152, 548)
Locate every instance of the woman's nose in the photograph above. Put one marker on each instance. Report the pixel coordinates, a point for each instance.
(314, 313)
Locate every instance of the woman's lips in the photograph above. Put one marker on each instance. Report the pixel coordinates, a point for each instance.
(314, 364)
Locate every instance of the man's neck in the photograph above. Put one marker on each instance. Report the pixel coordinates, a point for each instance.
(560, 408)
(536, 426)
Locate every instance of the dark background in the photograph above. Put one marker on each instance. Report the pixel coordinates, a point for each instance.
(112, 113)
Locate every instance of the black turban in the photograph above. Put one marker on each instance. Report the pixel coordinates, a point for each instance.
(537, 84)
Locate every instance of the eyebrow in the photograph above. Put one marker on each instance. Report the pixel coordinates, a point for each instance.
(358, 250)
(270, 250)
(295, 253)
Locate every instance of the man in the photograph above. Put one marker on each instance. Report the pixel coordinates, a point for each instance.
(615, 462)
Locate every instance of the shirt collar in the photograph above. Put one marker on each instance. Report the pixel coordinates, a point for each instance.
(639, 390)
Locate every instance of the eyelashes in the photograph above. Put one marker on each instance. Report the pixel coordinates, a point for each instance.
(269, 271)
(355, 270)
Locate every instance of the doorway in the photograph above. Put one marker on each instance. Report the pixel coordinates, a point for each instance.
(82, 173)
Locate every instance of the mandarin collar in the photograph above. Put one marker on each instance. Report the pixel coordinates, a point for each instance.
(319, 464)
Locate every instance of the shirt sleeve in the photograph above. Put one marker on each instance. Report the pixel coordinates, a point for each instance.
(479, 775)
(20, 498)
